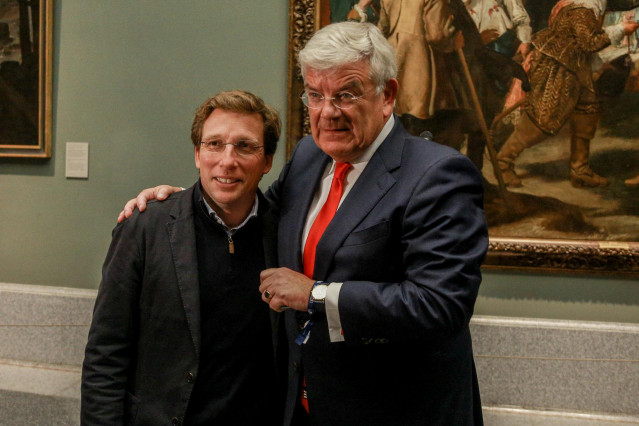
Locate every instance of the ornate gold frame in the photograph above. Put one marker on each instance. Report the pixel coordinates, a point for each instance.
(301, 25)
(540, 255)
(44, 113)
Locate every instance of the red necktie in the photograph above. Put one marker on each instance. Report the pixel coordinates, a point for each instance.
(324, 217)
(322, 220)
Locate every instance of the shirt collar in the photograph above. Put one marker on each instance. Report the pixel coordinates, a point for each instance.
(366, 155)
(252, 214)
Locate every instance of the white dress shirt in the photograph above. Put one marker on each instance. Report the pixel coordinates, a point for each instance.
(332, 296)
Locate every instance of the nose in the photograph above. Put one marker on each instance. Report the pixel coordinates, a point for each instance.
(329, 110)
(228, 156)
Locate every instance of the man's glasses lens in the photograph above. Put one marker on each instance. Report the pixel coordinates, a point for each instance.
(244, 148)
(343, 100)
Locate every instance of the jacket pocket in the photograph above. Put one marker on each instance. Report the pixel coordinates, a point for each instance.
(131, 405)
(372, 233)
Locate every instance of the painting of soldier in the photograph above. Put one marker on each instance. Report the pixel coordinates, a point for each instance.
(573, 152)
(440, 53)
(563, 88)
(562, 97)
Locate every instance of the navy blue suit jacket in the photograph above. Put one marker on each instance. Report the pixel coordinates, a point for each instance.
(407, 242)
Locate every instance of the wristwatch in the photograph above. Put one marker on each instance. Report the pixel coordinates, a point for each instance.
(318, 296)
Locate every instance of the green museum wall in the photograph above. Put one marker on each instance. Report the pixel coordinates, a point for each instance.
(128, 75)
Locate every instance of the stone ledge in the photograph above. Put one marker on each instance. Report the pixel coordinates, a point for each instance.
(508, 416)
(24, 409)
(44, 324)
(558, 365)
(40, 379)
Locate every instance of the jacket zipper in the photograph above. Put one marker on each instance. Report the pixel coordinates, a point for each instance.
(231, 245)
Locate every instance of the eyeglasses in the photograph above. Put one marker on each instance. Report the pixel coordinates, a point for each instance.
(244, 148)
(343, 100)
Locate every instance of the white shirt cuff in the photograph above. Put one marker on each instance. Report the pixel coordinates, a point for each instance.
(615, 33)
(332, 312)
(524, 33)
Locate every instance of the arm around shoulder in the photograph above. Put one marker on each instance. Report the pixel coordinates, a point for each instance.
(160, 193)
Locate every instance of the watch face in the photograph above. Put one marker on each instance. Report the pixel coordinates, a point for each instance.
(319, 292)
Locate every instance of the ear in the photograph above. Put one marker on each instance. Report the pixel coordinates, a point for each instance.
(197, 157)
(390, 94)
(268, 164)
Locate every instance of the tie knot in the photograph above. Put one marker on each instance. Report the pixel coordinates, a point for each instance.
(341, 169)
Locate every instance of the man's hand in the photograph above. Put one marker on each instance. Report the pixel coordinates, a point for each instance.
(458, 41)
(630, 27)
(159, 193)
(488, 36)
(286, 288)
(523, 49)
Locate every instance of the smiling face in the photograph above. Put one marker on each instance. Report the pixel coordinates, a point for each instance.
(344, 134)
(228, 179)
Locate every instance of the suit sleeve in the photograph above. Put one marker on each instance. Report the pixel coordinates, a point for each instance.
(273, 193)
(111, 343)
(444, 239)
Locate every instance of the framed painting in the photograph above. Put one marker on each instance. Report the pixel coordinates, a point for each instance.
(554, 220)
(25, 78)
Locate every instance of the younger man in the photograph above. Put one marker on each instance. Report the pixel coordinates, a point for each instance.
(180, 334)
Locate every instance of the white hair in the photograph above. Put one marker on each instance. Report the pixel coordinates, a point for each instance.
(348, 42)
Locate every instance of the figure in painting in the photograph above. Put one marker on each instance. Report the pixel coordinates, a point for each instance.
(429, 38)
(348, 10)
(563, 88)
(631, 40)
(614, 17)
(632, 182)
(504, 25)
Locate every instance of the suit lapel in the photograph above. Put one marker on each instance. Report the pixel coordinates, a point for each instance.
(183, 250)
(302, 192)
(374, 182)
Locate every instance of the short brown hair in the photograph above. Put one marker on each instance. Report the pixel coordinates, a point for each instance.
(242, 102)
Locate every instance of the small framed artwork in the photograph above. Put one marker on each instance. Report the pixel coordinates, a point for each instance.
(574, 206)
(25, 78)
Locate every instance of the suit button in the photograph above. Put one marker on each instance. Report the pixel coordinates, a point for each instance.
(296, 367)
(175, 421)
(190, 378)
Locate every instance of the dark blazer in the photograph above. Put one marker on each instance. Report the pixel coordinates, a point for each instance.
(407, 242)
(144, 341)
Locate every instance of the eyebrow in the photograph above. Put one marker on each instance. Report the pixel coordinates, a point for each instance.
(352, 84)
(217, 137)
